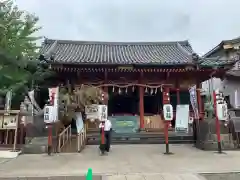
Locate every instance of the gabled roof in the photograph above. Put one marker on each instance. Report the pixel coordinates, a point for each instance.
(220, 46)
(84, 52)
(235, 59)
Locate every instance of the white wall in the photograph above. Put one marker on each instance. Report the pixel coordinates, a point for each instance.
(229, 88)
(212, 84)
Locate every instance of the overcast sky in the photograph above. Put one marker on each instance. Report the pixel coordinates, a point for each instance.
(203, 22)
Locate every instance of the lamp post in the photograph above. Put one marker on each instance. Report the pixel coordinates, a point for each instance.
(168, 117)
(220, 110)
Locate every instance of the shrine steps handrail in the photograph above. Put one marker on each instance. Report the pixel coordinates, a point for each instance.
(64, 137)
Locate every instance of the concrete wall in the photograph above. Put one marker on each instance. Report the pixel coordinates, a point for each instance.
(228, 86)
(212, 84)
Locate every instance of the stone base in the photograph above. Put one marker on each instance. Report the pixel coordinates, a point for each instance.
(207, 139)
(38, 145)
(9, 154)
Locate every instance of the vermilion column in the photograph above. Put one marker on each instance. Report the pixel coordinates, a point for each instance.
(141, 107)
(141, 102)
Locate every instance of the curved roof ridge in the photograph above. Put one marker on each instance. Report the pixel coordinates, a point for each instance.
(183, 43)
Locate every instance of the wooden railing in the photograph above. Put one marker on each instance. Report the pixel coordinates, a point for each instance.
(64, 138)
(81, 139)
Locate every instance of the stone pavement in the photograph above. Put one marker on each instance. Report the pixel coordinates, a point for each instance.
(52, 178)
(131, 162)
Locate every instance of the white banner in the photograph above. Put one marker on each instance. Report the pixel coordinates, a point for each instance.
(79, 122)
(54, 97)
(8, 101)
(193, 99)
(33, 101)
(182, 118)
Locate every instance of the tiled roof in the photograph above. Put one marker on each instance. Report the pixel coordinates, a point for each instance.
(82, 52)
(216, 62)
(220, 46)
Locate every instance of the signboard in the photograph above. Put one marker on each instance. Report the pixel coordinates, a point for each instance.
(96, 111)
(54, 99)
(168, 112)
(222, 112)
(125, 124)
(182, 118)
(193, 99)
(92, 112)
(104, 112)
(49, 114)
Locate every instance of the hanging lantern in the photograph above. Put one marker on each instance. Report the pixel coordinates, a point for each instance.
(156, 90)
(113, 90)
(133, 89)
(146, 90)
(126, 90)
(119, 91)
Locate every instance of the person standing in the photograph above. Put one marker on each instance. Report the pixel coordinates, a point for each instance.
(107, 125)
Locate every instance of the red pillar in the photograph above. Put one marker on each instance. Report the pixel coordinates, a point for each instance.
(141, 107)
(166, 100)
(141, 102)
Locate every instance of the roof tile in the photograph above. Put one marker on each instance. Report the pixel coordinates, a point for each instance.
(81, 52)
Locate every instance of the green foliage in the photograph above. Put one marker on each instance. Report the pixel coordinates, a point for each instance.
(20, 67)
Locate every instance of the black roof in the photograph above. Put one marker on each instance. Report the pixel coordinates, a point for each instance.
(84, 52)
(124, 53)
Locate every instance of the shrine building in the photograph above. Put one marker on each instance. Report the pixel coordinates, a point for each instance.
(136, 76)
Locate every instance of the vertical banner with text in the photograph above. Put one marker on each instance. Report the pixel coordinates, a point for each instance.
(193, 99)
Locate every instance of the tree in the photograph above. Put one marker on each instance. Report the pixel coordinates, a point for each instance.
(20, 66)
